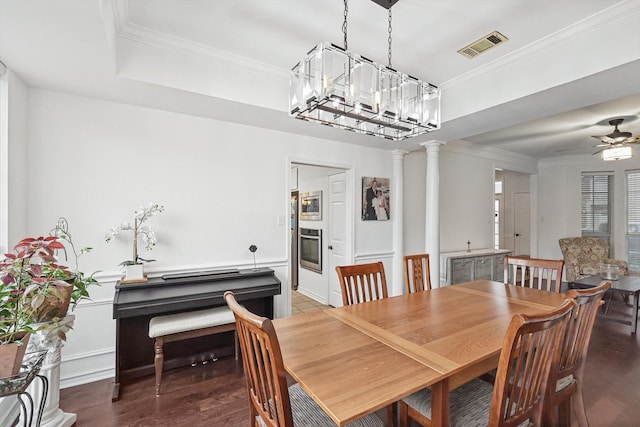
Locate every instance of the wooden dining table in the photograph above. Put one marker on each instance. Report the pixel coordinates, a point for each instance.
(356, 359)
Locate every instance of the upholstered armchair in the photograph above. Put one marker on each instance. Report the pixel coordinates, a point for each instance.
(583, 256)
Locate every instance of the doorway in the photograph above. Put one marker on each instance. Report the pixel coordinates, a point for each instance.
(332, 185)
(512, 201)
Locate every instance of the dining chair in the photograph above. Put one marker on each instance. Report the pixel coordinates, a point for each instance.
(271, 402)
(537, 273)
(527, 355)
(568, 377)
(362, 282)
(417, 273)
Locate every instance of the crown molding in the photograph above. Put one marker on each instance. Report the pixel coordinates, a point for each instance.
(514, 161)
(605, 18)
(140, 34)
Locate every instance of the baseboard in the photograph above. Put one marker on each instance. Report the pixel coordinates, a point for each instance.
(87, 367)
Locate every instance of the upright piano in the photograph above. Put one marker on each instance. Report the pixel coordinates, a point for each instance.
(135, 304)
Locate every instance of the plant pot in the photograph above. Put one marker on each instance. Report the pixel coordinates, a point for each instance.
(11, 356)
(54, 305)
(134, 273)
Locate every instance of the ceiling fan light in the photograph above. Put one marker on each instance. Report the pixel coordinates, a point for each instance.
(617, 153)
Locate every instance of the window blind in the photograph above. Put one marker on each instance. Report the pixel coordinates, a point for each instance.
(597, 205)
(633, 219)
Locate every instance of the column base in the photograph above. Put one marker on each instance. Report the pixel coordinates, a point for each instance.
(60, 419)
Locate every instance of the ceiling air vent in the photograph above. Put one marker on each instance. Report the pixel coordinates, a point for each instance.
(482, 45)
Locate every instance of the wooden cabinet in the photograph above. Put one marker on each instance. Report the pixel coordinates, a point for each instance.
(463, 266)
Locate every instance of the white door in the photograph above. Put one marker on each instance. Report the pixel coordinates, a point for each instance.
(522, 223)
(337, 235)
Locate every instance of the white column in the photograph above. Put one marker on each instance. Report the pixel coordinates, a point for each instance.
(49, 339)
(397, 210)
(432, 209)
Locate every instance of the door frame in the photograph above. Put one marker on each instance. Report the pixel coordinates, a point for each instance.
(350, 200)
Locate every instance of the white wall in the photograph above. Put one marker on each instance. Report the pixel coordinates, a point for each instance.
(559, 204)
(466, 195)
(224, 187)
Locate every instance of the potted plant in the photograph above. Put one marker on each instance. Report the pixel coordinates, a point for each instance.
(35, 290)
(29, 279)
(134, 271)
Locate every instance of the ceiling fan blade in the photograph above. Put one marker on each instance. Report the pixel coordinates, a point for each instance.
(604, 138)
(599, 151)
(633, 140)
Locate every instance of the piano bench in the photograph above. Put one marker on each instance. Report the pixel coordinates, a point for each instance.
(190, 324)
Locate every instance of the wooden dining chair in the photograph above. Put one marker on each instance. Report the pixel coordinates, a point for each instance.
(527, 355)
(271, 402)
(417, 273)
(362, 282)
(537, 273)
(568, 378)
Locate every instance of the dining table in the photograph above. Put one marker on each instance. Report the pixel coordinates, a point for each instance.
(357, 359)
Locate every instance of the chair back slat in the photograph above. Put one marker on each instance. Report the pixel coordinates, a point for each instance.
(263, 367)
(417, 275)
(545, 274)
(528, 354)
(362, 282)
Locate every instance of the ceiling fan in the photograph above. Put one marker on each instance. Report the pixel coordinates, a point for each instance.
(616, 137)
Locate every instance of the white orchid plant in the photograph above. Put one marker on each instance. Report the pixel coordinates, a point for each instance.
(139, 229)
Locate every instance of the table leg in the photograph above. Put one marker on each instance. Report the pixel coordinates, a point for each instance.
(440, 403)
(634, 314)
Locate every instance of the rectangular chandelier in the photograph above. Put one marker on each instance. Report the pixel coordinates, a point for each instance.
(337, 88)
(617, 153)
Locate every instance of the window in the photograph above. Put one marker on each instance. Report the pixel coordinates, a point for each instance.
(497, 185)
(597, 202)
(633, 219)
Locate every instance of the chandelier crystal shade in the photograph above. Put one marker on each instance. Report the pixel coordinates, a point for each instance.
(622, 152)
(335, 87)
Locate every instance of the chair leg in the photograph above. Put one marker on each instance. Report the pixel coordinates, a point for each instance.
(158, 362)
(564, 413)
(235, 340)
(404, 414)
(391, 415)
(581, 414)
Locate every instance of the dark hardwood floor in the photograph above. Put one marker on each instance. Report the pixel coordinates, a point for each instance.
(214, 394)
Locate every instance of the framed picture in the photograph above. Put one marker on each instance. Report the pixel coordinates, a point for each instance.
(375, 199)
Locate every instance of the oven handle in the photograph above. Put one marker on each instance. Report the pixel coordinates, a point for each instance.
(306, 236)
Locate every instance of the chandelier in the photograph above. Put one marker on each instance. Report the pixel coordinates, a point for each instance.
(338, 88)
(621, 152)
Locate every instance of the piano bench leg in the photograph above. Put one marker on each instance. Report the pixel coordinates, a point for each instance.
(158, 362)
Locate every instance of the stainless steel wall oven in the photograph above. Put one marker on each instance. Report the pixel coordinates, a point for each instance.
(311, 249)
